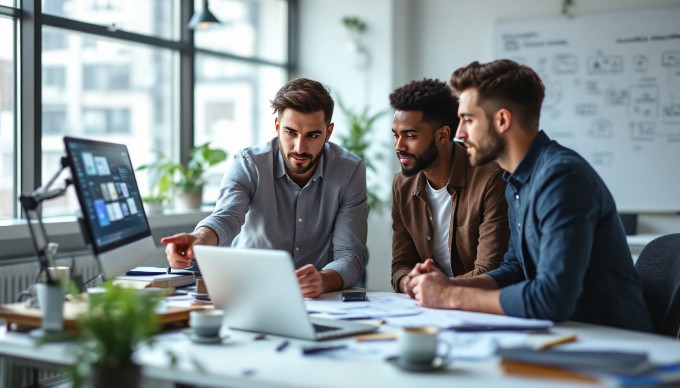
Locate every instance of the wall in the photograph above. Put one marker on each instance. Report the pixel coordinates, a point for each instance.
(412, 39)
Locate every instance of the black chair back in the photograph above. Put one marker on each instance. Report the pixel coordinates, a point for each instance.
(659, 269)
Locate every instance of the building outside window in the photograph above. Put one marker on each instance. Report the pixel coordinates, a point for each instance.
(126, 96)
(7, 118)
(122, 84)
(242, 88)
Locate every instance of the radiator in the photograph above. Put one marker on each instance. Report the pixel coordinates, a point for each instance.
(19, 276)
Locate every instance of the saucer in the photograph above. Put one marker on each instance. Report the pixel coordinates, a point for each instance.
(203, 340)
(436, 364)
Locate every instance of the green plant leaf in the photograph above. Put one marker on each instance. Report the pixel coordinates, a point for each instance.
(168, 175)
(358, 140)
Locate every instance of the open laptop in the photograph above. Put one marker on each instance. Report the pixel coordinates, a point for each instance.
(258, 290)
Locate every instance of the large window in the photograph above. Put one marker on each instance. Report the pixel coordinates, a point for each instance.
(7, 119)
(232, 107)
(231, 102)
(117, 91)
(122, 71)
(248, 28)
(149, 17)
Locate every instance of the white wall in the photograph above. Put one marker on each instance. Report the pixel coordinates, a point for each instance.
(412, 39)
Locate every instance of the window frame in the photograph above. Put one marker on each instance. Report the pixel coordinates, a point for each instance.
(28, 91)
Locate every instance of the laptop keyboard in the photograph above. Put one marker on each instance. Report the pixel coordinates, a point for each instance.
(322, 329)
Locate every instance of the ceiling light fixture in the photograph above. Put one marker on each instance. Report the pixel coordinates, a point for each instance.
(203, 19)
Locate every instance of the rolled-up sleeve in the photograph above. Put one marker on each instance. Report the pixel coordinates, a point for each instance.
(350, 230)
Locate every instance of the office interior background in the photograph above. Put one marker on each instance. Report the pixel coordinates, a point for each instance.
(129, 71)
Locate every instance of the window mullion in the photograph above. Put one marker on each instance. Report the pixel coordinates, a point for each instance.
(30, 96)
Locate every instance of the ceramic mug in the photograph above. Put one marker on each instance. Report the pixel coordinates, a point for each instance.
(51, 302)
(57, 274)
(206, 323)
(418, 345)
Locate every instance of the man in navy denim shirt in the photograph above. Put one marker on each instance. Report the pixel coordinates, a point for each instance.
(568, 258)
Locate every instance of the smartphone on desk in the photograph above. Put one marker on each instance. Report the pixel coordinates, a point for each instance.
(353, 296)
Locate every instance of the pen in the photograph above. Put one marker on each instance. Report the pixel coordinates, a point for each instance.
(314, 350)
(168, 270)
(558, 341)
(282, 346)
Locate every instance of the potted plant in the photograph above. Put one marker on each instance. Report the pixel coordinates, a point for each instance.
(117, 321)
(358, 141)
(187, 181)
(153, 204)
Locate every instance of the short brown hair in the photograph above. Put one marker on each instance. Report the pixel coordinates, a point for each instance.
(504, 84)
(306, 96)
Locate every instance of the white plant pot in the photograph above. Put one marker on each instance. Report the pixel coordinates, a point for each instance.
(189, 200)
(153, 208)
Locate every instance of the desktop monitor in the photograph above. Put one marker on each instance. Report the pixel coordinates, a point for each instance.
(113, 214)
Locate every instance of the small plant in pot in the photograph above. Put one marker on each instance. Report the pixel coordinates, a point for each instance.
(153, 204)
(117, 322)
(186, 181)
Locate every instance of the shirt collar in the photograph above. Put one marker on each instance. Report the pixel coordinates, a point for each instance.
(526, 166)
(459, 166)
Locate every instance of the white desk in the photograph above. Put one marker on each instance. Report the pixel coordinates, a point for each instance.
(244, 362)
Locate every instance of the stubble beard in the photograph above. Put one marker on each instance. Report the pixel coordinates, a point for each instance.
(422, 162)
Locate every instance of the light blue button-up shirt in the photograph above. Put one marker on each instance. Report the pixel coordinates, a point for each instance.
(323, 223)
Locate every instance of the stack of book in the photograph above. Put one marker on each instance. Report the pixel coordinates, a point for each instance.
(588, 366)
(146, 277)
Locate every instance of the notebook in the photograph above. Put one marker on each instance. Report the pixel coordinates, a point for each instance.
(259, 292)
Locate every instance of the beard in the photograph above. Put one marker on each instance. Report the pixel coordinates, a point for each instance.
(296, 167)
(421, 162)
(490, 148)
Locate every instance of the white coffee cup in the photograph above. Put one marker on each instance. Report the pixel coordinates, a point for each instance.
(58, 274)
(51, 302)
(418, 345)
(206, 323)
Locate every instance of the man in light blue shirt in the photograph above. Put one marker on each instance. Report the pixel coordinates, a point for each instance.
(298, 193)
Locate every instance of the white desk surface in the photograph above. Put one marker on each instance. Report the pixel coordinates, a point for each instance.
(244, 362)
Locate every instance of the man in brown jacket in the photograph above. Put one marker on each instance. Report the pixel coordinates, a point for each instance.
(442, 208)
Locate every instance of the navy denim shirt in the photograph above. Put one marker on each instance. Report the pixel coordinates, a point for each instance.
(568, 258)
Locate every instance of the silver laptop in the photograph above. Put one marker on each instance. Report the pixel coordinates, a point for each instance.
(259, 292)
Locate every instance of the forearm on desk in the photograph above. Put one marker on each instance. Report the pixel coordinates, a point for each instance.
(332, 281)
(476, 299)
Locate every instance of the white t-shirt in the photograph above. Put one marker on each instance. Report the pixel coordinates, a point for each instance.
(440, 204)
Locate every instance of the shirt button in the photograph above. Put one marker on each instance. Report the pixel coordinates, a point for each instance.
(299, 219)
(428, 238)
(519, 225)
(516, 196)
(297, 248)
(430, 218)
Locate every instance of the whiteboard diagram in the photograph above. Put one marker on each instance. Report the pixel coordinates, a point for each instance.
(612, 94)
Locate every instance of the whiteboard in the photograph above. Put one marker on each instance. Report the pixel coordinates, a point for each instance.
(612, 94)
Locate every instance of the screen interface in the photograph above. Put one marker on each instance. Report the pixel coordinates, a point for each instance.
(107, 190)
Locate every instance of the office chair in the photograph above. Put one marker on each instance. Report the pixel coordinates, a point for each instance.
(659, 269)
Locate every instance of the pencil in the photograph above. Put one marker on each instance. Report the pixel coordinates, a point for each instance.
(558, 341)
(281, 347)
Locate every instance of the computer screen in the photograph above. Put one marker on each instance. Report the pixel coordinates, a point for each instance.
(112, 208)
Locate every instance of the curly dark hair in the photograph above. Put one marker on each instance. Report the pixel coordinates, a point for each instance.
(433, 97)
(306, 96)
(504, 84)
